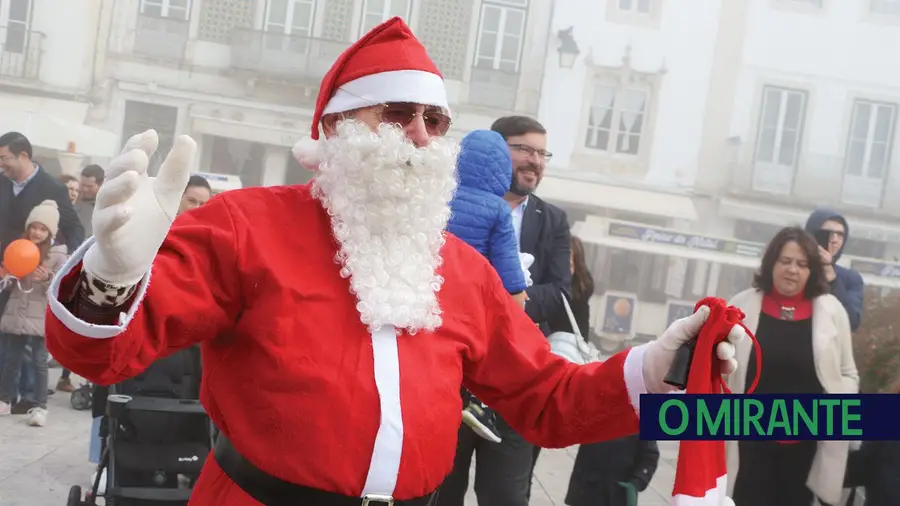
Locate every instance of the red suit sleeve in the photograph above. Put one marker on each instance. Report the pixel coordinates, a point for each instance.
(550, 401)
(192, 293)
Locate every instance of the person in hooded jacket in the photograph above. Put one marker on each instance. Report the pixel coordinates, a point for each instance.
(846, 284)
(482, 219)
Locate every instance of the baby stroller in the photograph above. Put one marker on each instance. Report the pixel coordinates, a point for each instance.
(82, 398)
(156, 437)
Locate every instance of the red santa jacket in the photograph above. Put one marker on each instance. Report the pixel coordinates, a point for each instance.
(296, 381)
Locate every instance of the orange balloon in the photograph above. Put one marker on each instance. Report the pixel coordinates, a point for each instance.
(21, 258)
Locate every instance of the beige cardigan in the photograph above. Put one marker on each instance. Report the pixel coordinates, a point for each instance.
(836, 370)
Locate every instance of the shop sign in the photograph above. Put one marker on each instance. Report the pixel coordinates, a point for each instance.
(692, 241)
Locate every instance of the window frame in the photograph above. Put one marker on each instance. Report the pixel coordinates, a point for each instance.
(384, 14)
(287, 26)
(165, 6)
(779, 187)
(617, 110)
(869, 140)
(21, 26)
(496, 59)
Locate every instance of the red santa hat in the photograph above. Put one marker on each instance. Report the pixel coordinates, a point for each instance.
(388, 64)
(701, 472)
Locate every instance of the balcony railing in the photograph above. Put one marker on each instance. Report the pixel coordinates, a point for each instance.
(20, 52)
(284, 56)
(164, 38)
(815, 178)
(497, 89)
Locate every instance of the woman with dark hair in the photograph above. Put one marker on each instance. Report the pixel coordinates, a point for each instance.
(804, 335)
(582, 290)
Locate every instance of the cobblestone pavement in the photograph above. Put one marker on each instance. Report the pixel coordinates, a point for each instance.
(39, 465)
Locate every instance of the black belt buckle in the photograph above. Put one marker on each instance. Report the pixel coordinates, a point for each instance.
(377, 500)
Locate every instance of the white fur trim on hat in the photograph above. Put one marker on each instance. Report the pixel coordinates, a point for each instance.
(306, 152)
(416, 86)
(47, 214)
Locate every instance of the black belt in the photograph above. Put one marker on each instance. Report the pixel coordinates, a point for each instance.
(273, 491)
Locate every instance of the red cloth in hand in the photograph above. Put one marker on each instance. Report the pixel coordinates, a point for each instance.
(701, 469)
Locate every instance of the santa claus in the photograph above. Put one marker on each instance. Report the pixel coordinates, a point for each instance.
(337, 320)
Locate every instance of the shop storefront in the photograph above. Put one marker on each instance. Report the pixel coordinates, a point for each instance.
(647, 277)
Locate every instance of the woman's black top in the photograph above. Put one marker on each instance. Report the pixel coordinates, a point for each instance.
(787, 356)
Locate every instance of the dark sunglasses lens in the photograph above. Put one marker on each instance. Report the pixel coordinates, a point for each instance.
(436, 123)
(399, 114)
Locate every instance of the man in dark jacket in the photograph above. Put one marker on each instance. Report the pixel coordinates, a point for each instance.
(504, 469)
(25, 186)
(846, 284)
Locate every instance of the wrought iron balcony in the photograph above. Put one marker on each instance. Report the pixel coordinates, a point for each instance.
(284, 56)
(20, 52)
(493, 88)
(164, 38)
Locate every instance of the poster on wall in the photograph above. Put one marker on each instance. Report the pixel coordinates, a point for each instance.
(679, 310)
(619, 314)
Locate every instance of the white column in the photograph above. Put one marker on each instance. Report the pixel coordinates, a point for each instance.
(275, 165)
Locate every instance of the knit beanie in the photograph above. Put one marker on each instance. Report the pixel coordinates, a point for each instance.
(47, 214)
(701, 474)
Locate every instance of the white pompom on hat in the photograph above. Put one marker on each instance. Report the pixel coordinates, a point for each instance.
(388, 64)
(47, 214)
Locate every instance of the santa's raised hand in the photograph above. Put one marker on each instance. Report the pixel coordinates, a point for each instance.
(133, 211)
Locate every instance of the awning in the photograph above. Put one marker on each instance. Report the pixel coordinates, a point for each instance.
(53, 124)
(784, 216)
(596, 195)
(596, 233)
(257, 126)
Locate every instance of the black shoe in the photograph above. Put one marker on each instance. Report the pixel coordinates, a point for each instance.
(22, 407)
(481, 419)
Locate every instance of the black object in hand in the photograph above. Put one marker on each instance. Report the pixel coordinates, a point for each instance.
(681, 366)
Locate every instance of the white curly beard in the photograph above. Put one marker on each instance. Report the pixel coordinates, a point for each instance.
(389, 204)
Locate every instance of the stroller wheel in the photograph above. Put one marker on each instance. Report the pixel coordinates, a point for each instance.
(81, 399)
(74, 496)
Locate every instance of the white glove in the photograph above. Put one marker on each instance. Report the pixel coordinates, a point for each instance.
(526, 259)
(661, 353)
(133, 212)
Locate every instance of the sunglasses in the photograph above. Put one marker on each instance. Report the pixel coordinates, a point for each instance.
(437, 123)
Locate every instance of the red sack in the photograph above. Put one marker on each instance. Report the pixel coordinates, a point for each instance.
(701, 474)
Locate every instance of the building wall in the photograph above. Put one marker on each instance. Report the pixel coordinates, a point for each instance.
(213, 74)
(671, 53)
(832, 56)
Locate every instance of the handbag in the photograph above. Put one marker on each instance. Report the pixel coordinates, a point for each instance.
(571, 345)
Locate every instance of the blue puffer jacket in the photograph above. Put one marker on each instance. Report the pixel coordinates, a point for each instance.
(480, 216)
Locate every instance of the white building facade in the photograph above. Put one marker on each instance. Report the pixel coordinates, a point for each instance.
(241, 76)
(687, 133)
(47, 78)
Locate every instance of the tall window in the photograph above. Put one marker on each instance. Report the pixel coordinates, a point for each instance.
(636, 6)
(17, 26)
(377, 11)
(781, 126)
(870, 139)
(616, 119)
(778, 140)
(500, 36)
(175, 9)
(885, 7)
(290, 17)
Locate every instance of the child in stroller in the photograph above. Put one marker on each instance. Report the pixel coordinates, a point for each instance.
(155, 436)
